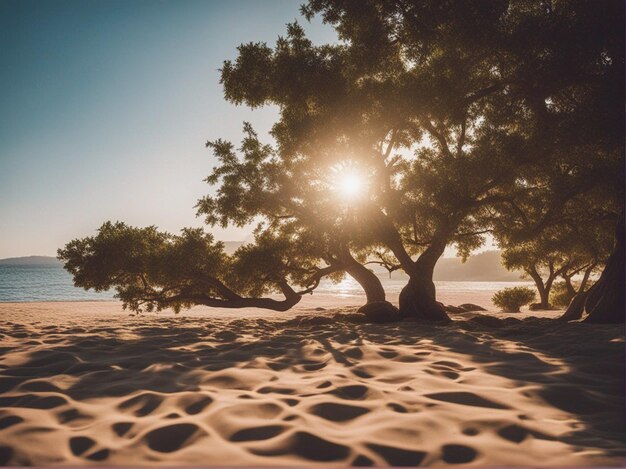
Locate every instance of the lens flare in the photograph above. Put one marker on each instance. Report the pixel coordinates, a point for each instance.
(350, 185)
(348, 182)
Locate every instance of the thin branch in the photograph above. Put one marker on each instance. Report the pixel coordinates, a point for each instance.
(438, 135)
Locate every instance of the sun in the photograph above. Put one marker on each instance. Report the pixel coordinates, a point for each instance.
(350, 185)
(348, 182)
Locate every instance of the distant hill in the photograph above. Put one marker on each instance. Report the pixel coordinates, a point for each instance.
(231, 246)
(484, 267)
(35, 261)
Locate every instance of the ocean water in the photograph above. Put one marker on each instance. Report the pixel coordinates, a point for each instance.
(42, 283)
(53, 283)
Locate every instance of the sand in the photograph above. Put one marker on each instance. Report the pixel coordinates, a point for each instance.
(88, 384)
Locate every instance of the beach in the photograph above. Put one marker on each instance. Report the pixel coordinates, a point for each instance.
(86, 383)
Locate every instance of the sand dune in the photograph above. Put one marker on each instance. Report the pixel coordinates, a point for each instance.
(85, 383)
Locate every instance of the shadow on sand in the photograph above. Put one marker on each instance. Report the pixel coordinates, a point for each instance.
(333, 370)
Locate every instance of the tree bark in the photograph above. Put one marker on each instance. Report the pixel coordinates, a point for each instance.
(568, 284)
(291, 299)
(418, 297)
(374, 291)
(544, 292)
(575, 308)
(417, 300)
(605, 301)
(583, 283)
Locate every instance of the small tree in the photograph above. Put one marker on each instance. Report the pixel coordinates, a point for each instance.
(512, 299)
(152, 270)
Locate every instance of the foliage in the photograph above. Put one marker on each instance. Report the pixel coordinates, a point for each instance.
(462, 118)
(511, 299)
(445, 105)
(574, 246)
(153, 270)
(560, 296)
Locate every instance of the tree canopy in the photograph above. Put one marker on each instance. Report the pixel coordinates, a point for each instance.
(455, 118)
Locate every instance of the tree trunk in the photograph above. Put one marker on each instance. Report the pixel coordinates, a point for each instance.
(377, 308)
(575, 308)
(605, 302)
(583, 283)
(417, 300)
(544, 293)
(374, 291)
(568, 284)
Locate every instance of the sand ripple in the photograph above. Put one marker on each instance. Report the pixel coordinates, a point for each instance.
(309, 388)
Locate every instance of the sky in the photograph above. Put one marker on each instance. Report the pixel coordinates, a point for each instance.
(105, 107)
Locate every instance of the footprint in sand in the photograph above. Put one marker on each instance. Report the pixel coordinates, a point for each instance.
(352, 392)
(170, 438)
(517, 434)
(33, 401)
(275, 389)
(307, 446)
(100, 455)
(277, 365)
(73, 417)
(324, 385)
(353, 352)
(471, 431)
(454, 365)
(338, 412)
(408, 359)
(142, 404)
(398, 456)
(258, 433)
(195, 404)
(466, 398)
(458, 454)
(397, 408)
(121, 428)
(80, 444)
(314, 366)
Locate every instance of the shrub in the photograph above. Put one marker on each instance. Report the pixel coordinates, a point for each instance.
(559, 296)
(511, 299)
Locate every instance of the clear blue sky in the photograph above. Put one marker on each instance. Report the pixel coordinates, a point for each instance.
(105, 106)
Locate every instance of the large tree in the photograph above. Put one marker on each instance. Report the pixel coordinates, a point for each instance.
(443, 105)
(450, 114)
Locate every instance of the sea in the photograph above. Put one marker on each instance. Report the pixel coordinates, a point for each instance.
(21, 283)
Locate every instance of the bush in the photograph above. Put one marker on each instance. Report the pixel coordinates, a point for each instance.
(511, 299)
(559, 296)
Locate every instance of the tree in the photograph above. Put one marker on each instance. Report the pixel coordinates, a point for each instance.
(604, 301)
(153, 270)
(443, 104)
(257, 183)
(565, 250)
(455, 115)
